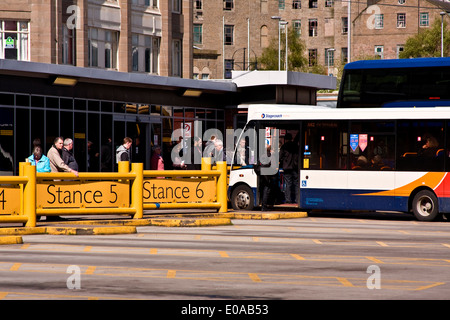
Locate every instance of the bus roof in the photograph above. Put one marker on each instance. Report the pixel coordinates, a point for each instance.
(398, 63)
(278, 112)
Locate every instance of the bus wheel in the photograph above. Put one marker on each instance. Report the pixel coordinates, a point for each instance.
(242, 198)
(425, 206)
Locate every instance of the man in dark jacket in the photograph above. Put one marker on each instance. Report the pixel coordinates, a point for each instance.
(289, 163)
(67, 154)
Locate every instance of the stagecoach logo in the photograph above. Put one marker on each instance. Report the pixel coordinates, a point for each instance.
(270, 116)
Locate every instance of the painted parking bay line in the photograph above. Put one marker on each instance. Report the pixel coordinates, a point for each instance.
(231, 254)
(220, 276)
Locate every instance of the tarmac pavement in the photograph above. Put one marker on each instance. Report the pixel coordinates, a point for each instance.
(118, 224)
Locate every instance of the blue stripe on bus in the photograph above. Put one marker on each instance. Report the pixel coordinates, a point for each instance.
(417, 104)
(343, 199)
(398, 63)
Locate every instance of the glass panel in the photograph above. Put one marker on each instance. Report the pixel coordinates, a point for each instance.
(79, 138)
(6, 141)
(23, 134)
(37, 129)
(22, 100)
(66, 103)
(67, 125)
(37, 101)
(52, 126)
(93, 143)
(107, 106)
(7, 99)
(79, 104)
(106, 153)
(93, 105)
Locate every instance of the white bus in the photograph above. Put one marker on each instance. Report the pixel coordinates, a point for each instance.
(387, 159)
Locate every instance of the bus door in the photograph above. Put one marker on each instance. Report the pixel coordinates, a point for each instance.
(323, 165)
(282, 139)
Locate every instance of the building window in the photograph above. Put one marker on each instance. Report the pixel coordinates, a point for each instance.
(312, 57)
(135, 52)
(344, 25)
(229, 65)
(155, 54)
(153, 3)
(296, 4)
(313, 3)
(176, 6)
(68, 47)
(401, 20)
(93, 48)
(379, 21)
(145, 53)
(401, 1)
(176, 58)
(400, 49)
(379, 52)
(424, 19)
(281, 4)
(103, 48)
(329, 3)
(344, 55)
(297, 24)
(198, 4)
(198, 33)
(264, 37)
(14, 40)
(228, 5)
(312, 23)
(228, 34)
(329, 57)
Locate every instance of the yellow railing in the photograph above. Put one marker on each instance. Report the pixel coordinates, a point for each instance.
(34, 194)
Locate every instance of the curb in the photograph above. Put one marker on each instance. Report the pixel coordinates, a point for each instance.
(181, 221)
(11, 240)
(128, 226)
(7, 234)
(270, 216)
(247, 215)
(90, 231)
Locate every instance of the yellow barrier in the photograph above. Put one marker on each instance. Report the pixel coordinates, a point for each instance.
(123, 192)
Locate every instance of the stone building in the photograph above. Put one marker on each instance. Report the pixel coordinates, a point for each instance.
(149, 36)
(230, 33)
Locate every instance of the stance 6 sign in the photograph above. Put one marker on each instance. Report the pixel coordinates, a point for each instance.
(183, 190)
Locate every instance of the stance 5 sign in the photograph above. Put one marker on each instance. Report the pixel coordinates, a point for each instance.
(182, 190)
(104, 194)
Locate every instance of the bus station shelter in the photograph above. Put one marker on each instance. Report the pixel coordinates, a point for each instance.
(97, 108)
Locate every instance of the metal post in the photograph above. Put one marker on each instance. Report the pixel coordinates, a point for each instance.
(29, 195)
(222, 187)
(137, 200)
(21, 186)
(442, 33)
(206, 164)
(279, 48)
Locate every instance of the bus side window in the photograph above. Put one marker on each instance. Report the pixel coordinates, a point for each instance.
(420, 145)
(324, 145)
